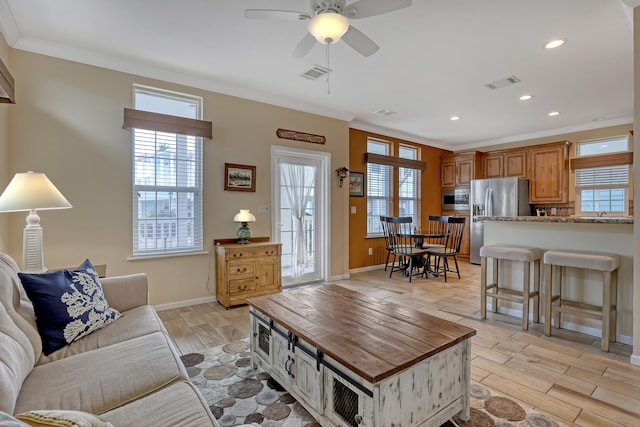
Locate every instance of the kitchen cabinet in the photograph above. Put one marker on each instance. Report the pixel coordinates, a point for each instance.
(505, 163)
(465, 246)
(457, 170)
(493, 164)
(515, 163)
(246, 270)
(549, 174)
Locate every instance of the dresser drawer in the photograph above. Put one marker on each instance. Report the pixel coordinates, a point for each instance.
(242, 286)
(241, 253)
(241, 269)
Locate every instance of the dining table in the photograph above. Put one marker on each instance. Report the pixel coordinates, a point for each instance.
(419, 239)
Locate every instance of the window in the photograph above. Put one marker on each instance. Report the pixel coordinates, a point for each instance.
(602, 187)
(392, 183)
(409, 200)
(379, 188)
(167, 178)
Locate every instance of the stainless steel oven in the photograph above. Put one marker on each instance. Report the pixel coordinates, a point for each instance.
(455, 200)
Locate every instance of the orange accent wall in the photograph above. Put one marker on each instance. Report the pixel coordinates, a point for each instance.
(359, 244)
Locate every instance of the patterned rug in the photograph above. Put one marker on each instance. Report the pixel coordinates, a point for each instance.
(241, 396)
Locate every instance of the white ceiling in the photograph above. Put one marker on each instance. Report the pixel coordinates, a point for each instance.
(434, 61)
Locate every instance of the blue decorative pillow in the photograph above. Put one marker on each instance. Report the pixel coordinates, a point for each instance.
(69, 304)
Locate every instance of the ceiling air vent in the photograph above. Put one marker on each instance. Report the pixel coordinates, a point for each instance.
(507, 81)
(316, 72)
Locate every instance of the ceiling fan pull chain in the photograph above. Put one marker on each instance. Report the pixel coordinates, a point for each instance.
(328, 69)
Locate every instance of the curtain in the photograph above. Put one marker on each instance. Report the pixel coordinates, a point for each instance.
(299, 182)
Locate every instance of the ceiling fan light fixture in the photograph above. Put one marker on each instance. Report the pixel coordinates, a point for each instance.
(328, 27)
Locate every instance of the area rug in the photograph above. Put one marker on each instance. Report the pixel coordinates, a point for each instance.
(238, 395)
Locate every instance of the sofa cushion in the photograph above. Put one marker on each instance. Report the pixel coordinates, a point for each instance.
(133, 323)
(180, 404)
(15, 360)
(7, 420)
(69, 304)
(103, 379)
(61, 418)
(17, 304)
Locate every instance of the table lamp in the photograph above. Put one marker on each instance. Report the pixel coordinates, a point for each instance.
(27, 192)
(245, 217)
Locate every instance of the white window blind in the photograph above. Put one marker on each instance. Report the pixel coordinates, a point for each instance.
(379, 195)
(167, 175)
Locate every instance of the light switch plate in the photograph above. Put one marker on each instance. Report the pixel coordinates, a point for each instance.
(353, 209)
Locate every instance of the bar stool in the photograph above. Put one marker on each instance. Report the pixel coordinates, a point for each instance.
(526, 255)
(554, 303)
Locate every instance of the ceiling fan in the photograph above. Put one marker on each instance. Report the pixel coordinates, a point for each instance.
(328, 22)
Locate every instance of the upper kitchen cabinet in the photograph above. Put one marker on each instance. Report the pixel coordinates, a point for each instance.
(549, 174)
(457, 170)
(505, 163)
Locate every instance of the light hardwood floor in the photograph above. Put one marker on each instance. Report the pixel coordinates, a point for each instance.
(565, 376)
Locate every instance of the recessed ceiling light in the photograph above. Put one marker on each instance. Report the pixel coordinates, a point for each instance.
(555, 43)
(553, 113)
(526, 97)
(454, 118)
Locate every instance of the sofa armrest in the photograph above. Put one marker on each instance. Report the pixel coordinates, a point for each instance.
(126, 292)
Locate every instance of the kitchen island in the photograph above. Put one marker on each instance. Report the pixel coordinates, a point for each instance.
(598, 234)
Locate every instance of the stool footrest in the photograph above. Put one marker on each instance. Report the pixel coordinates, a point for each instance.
(579, 308)
(509, 294)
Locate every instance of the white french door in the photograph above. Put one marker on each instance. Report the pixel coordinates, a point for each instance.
(300, 212)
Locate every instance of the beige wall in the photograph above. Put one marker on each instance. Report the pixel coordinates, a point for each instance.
(4, 148)
(68, 124)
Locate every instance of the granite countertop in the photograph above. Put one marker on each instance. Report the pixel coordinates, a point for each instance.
(562, 219)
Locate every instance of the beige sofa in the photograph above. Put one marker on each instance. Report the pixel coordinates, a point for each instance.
(128, 373)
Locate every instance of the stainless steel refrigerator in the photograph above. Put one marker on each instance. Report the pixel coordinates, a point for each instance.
(495, 197)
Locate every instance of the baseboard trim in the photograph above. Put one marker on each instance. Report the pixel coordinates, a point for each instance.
(635, 359)
(369, 268)
(184, 303)
(587, 330)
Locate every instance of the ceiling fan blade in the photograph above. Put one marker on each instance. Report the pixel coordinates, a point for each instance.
(277, 15)
(366, 8)
(304, 46)
(359, 42)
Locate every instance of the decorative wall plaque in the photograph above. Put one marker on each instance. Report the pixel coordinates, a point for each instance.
(300, 136)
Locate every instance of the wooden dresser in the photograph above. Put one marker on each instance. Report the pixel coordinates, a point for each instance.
(247, 270)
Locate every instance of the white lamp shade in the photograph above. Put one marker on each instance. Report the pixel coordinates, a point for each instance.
(244, 216)
(328, 27)
(31, 190)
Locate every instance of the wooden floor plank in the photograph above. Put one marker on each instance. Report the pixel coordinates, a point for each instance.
(588, 385)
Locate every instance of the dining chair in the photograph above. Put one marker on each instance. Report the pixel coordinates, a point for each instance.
(451, 249)
(406, 256)
(387, 239)
(437, 226)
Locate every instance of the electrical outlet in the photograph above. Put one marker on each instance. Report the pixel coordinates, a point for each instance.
(353, 209)
(370, 251)
(553, 211)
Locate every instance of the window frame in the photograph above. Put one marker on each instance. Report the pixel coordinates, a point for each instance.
(185, 153)
(395, 164)
(595, 164)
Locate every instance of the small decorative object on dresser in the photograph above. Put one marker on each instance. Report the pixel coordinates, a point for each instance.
(247, 270)
(244, 232)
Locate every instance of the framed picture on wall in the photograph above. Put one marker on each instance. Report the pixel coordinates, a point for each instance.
(239, 177)
(356, 184)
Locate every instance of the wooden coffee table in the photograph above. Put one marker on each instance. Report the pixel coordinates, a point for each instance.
(352, 359)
